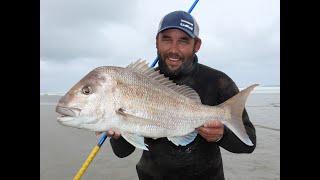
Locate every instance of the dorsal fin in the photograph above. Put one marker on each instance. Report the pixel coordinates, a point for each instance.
(141, 66)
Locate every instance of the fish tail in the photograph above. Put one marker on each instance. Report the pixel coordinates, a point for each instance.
(234, 108)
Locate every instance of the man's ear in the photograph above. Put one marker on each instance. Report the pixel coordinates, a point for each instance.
(157, 41)
(197, 44)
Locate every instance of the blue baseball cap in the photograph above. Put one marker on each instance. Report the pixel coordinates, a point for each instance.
(180, 20)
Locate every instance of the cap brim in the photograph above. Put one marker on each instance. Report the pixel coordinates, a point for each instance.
(180, 28)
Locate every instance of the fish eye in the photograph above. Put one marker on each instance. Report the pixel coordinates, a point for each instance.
(86, 90)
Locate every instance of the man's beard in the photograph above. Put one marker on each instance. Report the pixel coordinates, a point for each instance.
(185, 67)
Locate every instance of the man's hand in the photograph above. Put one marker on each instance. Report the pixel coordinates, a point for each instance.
(111, 133)
(212, 131)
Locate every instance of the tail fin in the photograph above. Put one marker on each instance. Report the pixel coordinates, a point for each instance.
(235, 106)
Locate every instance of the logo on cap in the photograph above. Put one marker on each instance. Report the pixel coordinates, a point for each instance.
(186, 24)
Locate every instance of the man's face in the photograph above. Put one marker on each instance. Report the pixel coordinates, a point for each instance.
(176, 48)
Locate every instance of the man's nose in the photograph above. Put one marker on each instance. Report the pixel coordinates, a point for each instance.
(174, 47)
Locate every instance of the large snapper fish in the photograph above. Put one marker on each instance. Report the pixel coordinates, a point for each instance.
(140, 102)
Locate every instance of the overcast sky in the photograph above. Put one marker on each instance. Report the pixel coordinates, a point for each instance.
(239, 37)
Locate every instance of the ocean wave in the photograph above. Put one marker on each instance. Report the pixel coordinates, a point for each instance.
(266, 90)
(258, 90)
(48, 103)
(52, 94)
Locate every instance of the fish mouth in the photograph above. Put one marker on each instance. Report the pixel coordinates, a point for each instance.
(67, 113)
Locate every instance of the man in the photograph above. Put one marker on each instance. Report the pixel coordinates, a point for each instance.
(177, 42)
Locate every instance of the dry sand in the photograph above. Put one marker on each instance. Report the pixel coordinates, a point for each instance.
(64, 149)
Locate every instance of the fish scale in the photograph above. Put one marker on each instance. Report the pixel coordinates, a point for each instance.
(170, 108)
(140, 102)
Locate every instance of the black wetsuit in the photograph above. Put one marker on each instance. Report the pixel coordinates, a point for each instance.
(199, 160)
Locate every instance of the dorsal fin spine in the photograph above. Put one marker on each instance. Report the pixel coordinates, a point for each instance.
(141, 67)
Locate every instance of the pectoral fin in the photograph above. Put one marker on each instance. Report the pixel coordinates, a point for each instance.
(132, 118)
(135, 140)
(183, 140)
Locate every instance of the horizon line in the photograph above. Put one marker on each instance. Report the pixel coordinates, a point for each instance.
(240, 88)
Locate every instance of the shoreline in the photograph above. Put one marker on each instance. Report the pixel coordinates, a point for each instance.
(257, 90)
(64, 149)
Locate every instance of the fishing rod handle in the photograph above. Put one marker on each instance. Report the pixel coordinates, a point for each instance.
(85, 165)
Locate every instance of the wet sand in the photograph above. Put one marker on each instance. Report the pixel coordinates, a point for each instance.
(64, 149)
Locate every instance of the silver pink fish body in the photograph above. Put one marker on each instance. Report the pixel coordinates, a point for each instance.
(139, 102)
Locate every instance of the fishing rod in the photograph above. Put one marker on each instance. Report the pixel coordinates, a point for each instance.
(104, 136)
(91, 156)
(189, 11)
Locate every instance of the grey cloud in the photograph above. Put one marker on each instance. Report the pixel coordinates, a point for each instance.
(71, 29)
(240, 38)
(69, 13)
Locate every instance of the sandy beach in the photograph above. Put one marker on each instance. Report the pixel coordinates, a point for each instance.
(64, 149)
